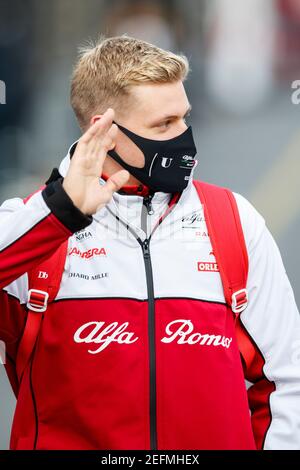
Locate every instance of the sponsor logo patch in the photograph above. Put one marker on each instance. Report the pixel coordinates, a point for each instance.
(99, 335)
(88, 277)
(208, 266)
(187, 161)
(88, 253)
(192, 220)
(83, 235)
(193, 226)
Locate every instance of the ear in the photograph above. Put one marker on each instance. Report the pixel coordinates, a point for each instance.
(95, 118)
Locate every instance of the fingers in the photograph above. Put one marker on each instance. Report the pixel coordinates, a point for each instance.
(105, 143)
(99, 128)
(96, 142)
(113, 131)
(116, 181)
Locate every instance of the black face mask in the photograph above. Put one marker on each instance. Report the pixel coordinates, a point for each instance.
(168, 163)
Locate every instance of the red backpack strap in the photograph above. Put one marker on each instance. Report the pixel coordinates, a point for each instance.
(228, 243)
(229, 247)
(43, 286)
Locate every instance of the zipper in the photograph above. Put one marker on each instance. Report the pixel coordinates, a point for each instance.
(152, 348)
(151, 329)
(146, 209)
(151, 310)
(147, 202)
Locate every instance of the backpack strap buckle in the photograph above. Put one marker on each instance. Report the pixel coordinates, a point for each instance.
(239, 301)
(37, 300)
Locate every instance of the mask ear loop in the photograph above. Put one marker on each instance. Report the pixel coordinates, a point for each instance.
(112, 153)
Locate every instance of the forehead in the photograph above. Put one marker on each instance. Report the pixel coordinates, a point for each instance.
(153, 100)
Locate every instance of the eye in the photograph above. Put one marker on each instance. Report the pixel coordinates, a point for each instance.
(165, 124)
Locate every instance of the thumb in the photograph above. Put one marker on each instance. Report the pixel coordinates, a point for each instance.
(116, 181)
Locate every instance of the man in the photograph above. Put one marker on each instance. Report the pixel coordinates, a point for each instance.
(127, 356)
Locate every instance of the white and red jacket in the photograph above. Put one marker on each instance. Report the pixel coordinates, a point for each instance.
(138, 350)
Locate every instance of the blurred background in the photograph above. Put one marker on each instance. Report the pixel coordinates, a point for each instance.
(245, 60)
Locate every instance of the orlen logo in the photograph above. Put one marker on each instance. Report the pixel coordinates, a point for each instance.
(89, 253)
(206, 266)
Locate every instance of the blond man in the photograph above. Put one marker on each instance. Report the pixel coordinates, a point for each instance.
(137, 348)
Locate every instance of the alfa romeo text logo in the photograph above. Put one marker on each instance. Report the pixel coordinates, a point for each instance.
(99, 336)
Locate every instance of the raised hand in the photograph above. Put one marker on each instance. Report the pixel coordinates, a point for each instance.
(82, 179)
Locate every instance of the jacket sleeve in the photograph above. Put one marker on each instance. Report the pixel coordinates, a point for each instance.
(271, 324)
(31, 232)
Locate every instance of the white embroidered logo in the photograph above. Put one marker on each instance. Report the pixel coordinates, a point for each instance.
(99, 335)
(166, 162)
(181, 331)
(43, 275)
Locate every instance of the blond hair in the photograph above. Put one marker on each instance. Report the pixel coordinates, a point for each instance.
(105, 72)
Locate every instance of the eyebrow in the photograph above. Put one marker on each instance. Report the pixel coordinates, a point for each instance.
(164, 118)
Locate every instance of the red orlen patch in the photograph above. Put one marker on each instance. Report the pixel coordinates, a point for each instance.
(207, 267)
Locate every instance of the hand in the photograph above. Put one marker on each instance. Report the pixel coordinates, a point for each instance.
(82, 179)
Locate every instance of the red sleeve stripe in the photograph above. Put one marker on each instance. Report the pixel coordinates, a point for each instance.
(32, 248)
(21, 235)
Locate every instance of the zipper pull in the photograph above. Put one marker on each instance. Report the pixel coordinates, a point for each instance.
(147, 202)
(146, 250)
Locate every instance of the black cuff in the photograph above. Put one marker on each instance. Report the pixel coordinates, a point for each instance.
(61, 205)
